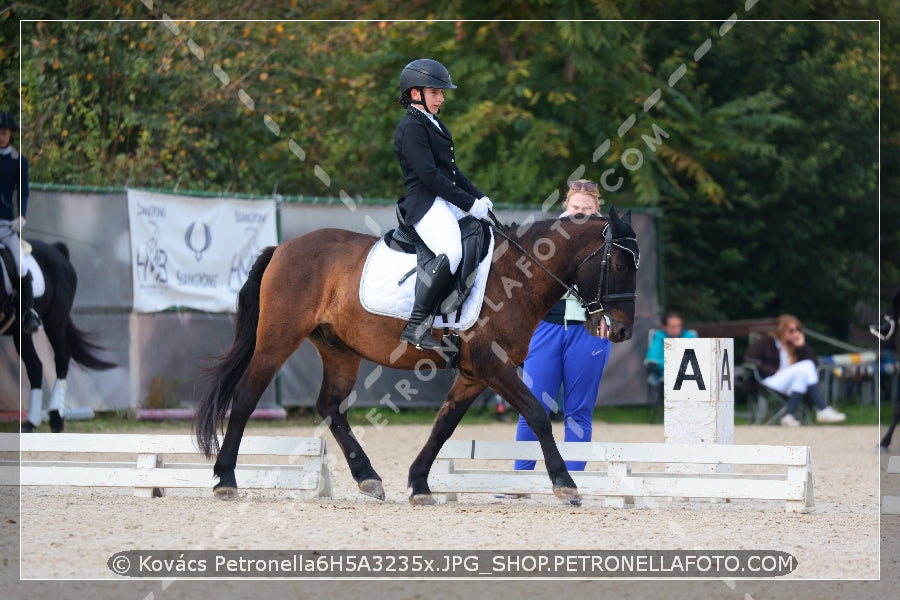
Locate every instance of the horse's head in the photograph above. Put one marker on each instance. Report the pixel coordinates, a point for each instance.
(607, 279)
(887, 331)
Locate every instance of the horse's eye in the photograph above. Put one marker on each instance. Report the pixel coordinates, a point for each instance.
(620, 268)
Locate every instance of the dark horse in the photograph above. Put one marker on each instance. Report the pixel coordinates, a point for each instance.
(308, 287)
(68, 342)
(890, 339)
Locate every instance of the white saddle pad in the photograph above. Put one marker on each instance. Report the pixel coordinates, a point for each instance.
(380, 294)
(29, 265)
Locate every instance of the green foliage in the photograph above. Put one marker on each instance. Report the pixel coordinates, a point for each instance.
(762, 156)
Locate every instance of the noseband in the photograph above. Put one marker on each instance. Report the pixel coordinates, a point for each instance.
(603, 296)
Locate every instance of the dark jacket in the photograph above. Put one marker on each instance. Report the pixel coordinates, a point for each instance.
(764, 354)
(9, 182)
(429, 167)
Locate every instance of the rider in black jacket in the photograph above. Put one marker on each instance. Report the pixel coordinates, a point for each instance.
(13, 204)
(437, 192)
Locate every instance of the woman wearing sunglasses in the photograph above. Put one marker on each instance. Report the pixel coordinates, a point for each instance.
(563, 352)
(437, 192)
(787, 365)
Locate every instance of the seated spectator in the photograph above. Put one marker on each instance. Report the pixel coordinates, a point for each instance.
(671, 326)
(786, 364)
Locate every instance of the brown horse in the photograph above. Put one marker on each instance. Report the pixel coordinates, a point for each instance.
(308, 287)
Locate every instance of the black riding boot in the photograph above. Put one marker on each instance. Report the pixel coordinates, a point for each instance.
(433, 282)
(30, 320)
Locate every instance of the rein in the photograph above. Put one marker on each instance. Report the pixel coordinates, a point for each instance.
(596, 305)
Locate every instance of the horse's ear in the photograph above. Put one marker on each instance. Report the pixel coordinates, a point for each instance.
(613, 215)
(615, 218)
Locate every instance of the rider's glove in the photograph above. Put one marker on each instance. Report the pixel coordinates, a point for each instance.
(481, 207)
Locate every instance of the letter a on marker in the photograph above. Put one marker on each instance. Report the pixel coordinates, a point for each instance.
(726, 371)
(689, 358)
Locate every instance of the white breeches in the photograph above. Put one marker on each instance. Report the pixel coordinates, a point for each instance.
(440, 231)
(793, 378)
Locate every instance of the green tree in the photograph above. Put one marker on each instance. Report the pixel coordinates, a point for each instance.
(762, 154)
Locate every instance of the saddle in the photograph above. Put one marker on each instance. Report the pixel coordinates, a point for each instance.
(10, 277)
(476, 238)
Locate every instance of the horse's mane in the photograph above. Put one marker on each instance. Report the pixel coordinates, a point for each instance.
(512, 227)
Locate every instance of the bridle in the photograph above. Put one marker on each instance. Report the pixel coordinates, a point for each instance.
(603, 296)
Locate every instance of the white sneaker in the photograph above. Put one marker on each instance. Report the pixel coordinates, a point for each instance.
(829, 415)
(790, 420)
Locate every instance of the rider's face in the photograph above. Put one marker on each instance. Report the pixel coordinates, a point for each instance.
(5, 137)
(434, 97)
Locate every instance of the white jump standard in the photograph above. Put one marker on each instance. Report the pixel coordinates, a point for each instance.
(306, 470)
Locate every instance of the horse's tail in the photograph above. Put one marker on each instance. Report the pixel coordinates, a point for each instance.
(224, 376)
(64, 250)
(84, 350)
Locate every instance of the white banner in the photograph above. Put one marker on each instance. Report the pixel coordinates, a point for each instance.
(194, 252)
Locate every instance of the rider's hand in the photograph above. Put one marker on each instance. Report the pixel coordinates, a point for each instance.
(481, 207)
(17, 224)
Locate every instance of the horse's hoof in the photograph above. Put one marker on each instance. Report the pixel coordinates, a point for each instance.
(372, 487)
(569, 495)
(226, 493)
(57, 422)
(27, 427)
(422, 500)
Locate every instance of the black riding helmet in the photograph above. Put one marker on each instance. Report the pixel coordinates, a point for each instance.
(422, 73)
(7, 121)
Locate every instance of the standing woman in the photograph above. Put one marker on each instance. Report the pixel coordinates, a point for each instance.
(437, 192)
(563, 352)
(13, 204)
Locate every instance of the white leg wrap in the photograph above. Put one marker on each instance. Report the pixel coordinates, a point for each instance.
(33, 415)
(58, 399)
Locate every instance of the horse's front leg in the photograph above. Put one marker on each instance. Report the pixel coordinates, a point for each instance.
(514, 391)
(458, 401)
(35, 371)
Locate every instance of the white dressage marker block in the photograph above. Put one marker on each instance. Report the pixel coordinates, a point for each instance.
(791, 479)
(307, 467)
(891, 504)
(699, 395)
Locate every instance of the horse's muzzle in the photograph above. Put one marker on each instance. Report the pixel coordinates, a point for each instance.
(616, 331)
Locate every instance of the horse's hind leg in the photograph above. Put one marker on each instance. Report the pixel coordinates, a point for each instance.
(341, 367)
(62, 357)
(458, 401)
(35, 371)
(242, 406)
(886, 440)
(273, 347)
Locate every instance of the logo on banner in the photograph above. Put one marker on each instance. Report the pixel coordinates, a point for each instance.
(151, 265)
(242, 261)
(199, 243)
